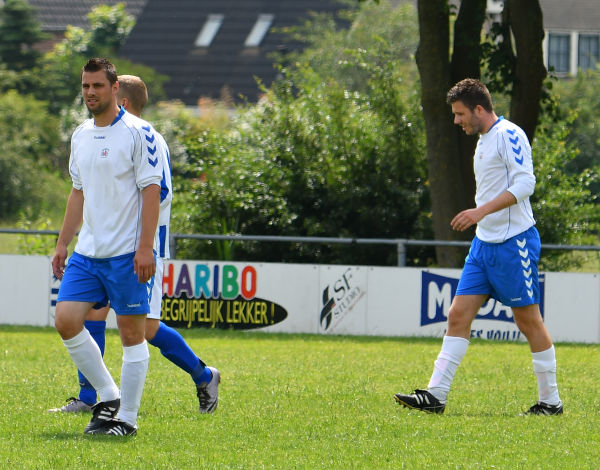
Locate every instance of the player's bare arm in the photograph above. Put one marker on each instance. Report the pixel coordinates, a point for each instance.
(467, 218)
(143, 262)
(71, 223)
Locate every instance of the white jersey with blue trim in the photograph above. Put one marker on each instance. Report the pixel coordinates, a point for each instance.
(166, 196)
(502, 162)
(111, 165)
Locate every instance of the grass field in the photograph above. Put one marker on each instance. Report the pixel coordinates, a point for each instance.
(302, 401)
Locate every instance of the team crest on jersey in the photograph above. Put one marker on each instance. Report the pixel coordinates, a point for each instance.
(104, 153)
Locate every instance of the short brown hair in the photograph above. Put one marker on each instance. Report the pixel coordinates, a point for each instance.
(97, 64)
(471, 92)
(134, 89)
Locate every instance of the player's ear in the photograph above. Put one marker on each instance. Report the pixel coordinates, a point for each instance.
(478, 110)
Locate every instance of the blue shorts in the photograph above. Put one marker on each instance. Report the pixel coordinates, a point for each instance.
(506, 271)
(100, 280)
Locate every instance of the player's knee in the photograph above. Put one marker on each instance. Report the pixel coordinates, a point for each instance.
(65, 324)
(151, 328)
(458, 318)
(528, 326)
(131, 334)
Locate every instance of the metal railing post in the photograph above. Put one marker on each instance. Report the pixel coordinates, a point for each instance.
(401, 250)
(173, 245)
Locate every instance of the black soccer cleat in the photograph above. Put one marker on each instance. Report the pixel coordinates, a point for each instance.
(541, 408)
(116, 427)
(421, 400)
(101, 413)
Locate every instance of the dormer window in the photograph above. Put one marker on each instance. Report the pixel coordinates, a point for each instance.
(209, 30)
(259, 30)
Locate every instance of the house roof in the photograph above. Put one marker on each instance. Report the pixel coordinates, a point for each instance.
(55, 15)
(166, 31)
(576, 15)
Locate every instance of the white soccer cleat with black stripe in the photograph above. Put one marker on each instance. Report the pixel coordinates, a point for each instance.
(421, 400)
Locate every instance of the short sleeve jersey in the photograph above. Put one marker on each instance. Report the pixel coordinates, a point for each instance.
(112, 165)
(502, 162)
(166, 196)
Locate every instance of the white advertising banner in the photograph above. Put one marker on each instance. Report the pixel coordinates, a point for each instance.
(323, 299)
(24, 290)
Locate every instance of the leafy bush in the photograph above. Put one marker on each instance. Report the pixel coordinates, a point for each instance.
(334, 149)
(312, 159)
(564, 204)
(580, 96)
(31, 153)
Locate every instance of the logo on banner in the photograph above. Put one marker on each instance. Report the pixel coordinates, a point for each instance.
(438, 291)
(194, 295)
(339, 298)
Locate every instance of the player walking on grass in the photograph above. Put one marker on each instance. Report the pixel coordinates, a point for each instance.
(116, 193)
(502, 260)
(132, 95)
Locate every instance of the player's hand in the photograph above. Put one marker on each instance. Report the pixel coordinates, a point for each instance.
(58, 262)
(465, 219)
(144, 265)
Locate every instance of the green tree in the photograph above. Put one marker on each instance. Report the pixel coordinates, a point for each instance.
(383, 30)
(19, 32)
(61, 68)
(109, 28)
(580, 95)
(313, 158)
(565, 202)
(444, 59)
(31, 150)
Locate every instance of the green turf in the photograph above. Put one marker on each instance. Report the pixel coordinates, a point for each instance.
(302, 401)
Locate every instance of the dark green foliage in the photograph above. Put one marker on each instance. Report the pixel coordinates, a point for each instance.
(313, 159)
(564, 204)
(19, 31)
(31, 151)
(580, 96)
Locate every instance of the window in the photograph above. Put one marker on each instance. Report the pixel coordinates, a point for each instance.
(588, 51)
(260, 28)
(559, 46)
(209, 30)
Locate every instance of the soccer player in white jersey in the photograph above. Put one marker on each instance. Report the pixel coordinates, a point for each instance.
(116, 193)
(502, 260)
(133, 96)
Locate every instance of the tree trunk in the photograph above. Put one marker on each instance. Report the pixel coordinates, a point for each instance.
(526, 21)
(449, 151)
(466, 57)
(445, 177)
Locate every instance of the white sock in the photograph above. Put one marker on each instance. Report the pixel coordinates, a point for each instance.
(87, 357)
(133, 376)
(453, 350)
(544, 366)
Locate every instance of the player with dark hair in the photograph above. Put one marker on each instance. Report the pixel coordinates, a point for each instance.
(133, 96)
(502, 260)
